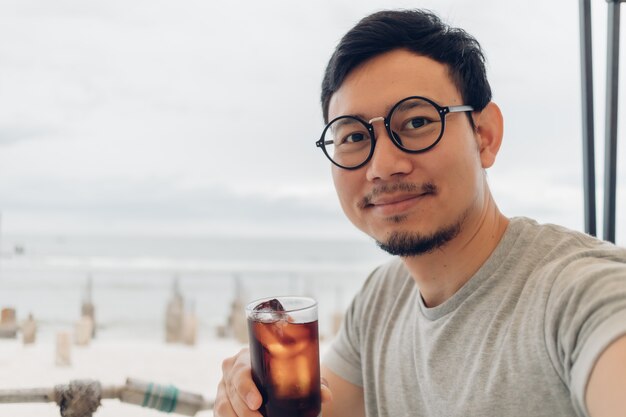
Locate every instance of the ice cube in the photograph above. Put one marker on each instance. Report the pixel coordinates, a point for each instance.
(269, 311)
(271, 305)
(278, 339)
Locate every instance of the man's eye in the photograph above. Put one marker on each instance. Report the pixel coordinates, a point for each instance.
(417, 122)
(354, 138)
(351, 138)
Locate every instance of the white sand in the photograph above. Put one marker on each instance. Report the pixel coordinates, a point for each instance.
(192, 368)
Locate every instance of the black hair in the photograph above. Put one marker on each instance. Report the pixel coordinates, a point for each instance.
(418, 31)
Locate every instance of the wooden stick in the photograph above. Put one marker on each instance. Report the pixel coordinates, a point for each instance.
(141, 393)
(32, 395)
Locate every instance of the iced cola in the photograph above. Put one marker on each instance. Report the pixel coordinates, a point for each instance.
(284, 350)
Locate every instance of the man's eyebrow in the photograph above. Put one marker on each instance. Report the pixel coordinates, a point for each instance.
(344, 122)
(411, 104)
(366, 118)
(407, 105)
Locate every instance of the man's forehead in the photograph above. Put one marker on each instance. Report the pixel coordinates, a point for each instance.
(379, 83)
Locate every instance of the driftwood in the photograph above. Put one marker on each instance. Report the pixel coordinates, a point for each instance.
(81, 398)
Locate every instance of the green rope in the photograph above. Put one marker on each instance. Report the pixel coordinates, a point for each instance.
(170, 397)
(174, 398)
(165, 399)
(147, 395)
(155, 396)
(162, 398)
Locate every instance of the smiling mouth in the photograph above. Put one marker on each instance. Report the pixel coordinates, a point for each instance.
(390, 196)
(391, 201)
(395, 207)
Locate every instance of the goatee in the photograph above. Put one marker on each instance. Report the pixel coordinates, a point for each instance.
(408, 244)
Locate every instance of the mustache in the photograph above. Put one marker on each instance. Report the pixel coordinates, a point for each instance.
(425, 188)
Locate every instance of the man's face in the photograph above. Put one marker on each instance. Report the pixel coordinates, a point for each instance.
(400, 198)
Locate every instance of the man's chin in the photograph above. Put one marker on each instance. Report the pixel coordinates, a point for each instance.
(407, 243)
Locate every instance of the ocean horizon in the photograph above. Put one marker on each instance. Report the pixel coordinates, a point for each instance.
(132, 278)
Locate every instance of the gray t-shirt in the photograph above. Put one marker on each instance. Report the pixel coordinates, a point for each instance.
(520, 338)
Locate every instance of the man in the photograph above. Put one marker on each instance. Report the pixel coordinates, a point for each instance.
(480, 315)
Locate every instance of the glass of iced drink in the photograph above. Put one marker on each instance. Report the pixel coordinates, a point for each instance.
(284, 351)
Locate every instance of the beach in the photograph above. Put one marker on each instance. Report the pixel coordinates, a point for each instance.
(192, 368)
(195, 369)
(132, 278)
(132, 281)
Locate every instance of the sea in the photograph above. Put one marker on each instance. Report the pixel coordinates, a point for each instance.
(130, 280)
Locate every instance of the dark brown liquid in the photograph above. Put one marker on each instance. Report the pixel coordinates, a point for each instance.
(285, 367)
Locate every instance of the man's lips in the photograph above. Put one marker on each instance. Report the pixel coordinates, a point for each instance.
(394, 199)
(395, 204)
(398, 196)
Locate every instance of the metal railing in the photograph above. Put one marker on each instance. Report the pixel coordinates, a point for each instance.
(610, 146)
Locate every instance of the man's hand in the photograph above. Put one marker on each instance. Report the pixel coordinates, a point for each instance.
(237, 395)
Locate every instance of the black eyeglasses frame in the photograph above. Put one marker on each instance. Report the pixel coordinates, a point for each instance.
(441, 110)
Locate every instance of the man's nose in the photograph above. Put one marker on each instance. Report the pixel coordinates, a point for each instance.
(388, 161)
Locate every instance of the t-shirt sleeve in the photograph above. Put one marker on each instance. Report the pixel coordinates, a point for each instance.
(585, 313)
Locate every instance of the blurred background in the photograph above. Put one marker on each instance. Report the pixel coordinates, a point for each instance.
(198, 118)
(157, 157)
(151, 144)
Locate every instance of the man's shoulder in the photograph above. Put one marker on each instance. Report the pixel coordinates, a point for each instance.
(552, 248)
(548, 237)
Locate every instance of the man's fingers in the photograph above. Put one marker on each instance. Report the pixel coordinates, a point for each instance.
(237, 395)
(253, 400)
(227, 405)
(327, 395)
(240, 381)
(242, 387)
(222, 406)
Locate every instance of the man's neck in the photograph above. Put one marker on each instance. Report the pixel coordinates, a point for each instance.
(440, 274)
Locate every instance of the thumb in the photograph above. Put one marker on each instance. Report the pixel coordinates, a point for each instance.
(327, 395)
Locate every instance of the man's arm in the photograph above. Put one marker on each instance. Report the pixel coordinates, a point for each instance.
(606, 390)
(348, 399)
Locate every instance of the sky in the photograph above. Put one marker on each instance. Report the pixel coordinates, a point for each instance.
(190, 117)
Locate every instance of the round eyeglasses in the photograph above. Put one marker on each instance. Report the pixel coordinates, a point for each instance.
(414, 124)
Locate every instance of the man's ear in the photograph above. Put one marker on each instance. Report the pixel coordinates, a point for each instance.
(489, 130)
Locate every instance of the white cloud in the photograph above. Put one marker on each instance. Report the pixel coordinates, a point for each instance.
(108, 100)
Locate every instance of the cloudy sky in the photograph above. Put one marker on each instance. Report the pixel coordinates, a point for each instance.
(200, 117)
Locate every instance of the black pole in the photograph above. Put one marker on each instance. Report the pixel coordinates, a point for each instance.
(586, 76)
(610, 147)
